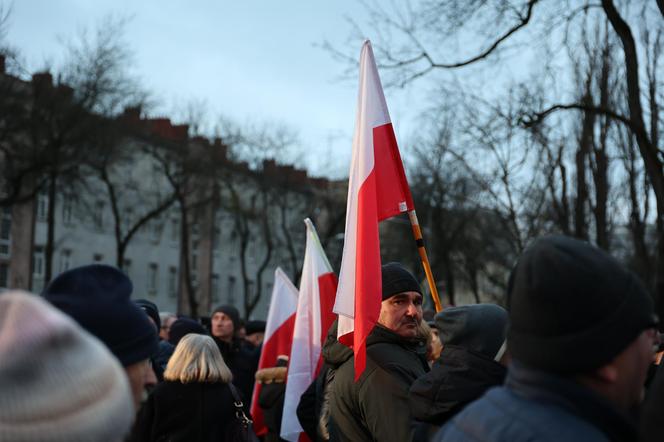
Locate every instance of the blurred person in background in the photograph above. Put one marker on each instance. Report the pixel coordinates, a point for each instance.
(195, 402)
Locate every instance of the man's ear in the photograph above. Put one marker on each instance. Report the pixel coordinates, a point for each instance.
(607, 374)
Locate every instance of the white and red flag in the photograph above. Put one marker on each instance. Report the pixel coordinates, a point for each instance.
(314, 317)
(278, 336)
(377, 190)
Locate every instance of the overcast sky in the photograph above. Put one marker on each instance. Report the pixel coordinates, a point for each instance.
(253, 60)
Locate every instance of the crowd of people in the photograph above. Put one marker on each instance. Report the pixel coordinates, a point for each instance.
(574, 356)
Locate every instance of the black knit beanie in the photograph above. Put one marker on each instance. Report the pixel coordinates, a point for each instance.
(255, 326)
(572, 307)
(150, 309)
(396, 279)
(182, 327)
(98, 298)
(232, 313)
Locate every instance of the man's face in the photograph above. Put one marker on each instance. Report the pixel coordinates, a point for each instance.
(141, 378)
(166, 327)
(401, 313)
(222, 326)
(255, 338)
(632, 367)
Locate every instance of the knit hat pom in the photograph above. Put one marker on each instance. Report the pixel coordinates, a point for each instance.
(57, 381)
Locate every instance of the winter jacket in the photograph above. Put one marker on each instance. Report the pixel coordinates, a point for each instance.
(376, 406)
(538, 406)
(458, 377)
(242, 362)
(313, 411)
(271, 399)
(186, 412)
(652, 424)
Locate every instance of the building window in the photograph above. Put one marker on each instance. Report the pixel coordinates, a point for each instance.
(67, 209)
(153, 275)
(216, 239)
(38, 262)
(97, 257)
(42, 206)
(231, 290)
(129, 217)
(5, 231)
(99, 215)
(126, 267)
(175, 230)
(4, 275)
(194, 261)
(156, 230)
(173, 282)
(214, 288)
(65, 260)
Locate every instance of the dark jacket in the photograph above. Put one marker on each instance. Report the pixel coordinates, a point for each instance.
(271, 400)
(242, 362)
(186, 412)
(313, 411)
(537, 406)
(458, 377)
(376, 406)
(652, 424)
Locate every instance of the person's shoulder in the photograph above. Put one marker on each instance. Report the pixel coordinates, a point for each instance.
(501, 415)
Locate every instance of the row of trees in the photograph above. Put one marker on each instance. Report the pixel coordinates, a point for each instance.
(553, 126)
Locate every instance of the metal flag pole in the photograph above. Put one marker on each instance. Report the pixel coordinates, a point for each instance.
(417, 233)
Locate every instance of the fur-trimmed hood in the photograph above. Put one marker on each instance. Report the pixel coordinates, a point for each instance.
(271, 375)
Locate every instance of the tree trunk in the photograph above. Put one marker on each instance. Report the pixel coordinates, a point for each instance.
(649, 152)
(585, 146)
(50, 231)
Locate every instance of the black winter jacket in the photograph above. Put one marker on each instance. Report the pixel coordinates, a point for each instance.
(458, 377)
(538, 406)
(177, 412)
(242, 362)
(376, 406)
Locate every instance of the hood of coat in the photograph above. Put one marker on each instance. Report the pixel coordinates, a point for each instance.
(458, 377)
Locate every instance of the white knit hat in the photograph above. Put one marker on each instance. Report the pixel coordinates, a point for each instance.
(57, 382)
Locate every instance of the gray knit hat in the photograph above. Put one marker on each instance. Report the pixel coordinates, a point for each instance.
(57, 382)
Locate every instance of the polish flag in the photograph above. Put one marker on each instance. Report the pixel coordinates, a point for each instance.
(278, 336)
(377, 190)
(314, 317)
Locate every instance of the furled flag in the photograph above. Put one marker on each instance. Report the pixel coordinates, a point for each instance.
(278, 335)
(377, 190)
(314, 317)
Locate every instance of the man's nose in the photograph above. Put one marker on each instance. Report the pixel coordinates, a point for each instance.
(412, 310)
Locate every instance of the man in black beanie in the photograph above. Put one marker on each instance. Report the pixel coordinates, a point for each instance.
(98, 298)
(224, 324)
(582, 335)
(376, 406)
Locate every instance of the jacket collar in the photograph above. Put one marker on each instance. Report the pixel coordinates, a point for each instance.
(575, 398)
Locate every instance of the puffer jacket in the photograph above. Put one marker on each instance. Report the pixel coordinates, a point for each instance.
(538, 406)
(458, 377)
(376, 406)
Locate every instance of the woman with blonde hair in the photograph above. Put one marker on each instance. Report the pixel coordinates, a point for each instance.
(195, 401)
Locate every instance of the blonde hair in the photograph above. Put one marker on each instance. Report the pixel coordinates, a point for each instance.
(197, 359)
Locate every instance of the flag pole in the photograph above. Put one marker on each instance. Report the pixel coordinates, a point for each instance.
(417, 233)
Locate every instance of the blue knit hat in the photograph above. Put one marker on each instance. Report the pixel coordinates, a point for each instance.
(98, 298)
